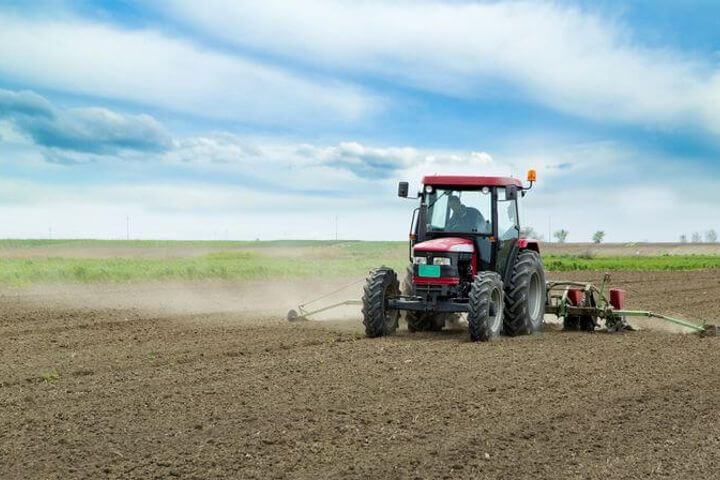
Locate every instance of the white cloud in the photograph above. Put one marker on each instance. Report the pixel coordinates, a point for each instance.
(347, 167)
(204, 185)
(205, 211)
(149, 68)
(272, 190)
(562, 57)
(97, 130)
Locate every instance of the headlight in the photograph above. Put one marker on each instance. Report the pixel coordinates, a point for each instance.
(420, 260)
(441, 261)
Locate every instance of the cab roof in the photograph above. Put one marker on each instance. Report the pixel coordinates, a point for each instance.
(470, 181)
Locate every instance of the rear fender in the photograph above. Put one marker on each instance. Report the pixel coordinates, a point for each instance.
(528, 244)
(520, 245)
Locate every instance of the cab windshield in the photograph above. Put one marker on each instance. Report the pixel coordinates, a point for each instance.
(461, 211)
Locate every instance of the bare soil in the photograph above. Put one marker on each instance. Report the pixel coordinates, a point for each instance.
(69, 250)
(120, 388)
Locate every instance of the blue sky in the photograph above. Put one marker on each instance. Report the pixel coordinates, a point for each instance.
(233, 119)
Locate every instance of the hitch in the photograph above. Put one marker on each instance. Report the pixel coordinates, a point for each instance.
(302, 313)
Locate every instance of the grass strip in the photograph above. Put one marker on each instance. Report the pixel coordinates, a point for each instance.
(631, 263)
(332, 260)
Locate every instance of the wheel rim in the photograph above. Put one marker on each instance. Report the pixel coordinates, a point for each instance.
(390, 315)
(534, 296)
(496, 310)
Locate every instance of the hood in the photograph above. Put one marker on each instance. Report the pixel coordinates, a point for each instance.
(447, 244)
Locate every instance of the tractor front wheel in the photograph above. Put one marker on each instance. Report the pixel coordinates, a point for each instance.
(485, 316)
(379, 320)
(422, 321)
(525, 295)
(425, 322)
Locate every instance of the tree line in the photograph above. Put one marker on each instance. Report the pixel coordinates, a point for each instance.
(710, 236)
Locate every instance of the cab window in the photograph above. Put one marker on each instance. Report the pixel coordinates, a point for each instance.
(508, 225)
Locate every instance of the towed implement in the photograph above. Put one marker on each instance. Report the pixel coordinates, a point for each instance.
(584, 307)
(467, 256)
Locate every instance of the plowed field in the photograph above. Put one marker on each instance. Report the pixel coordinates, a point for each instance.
(211, 382)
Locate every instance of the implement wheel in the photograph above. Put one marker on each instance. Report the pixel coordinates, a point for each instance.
(485, 316)
(583, 323)
(575, 323)
(381, 285)
(525, 295)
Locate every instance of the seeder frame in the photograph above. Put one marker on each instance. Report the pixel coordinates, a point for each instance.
(598, 306)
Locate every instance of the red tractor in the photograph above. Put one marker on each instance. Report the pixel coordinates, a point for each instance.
(466, 256)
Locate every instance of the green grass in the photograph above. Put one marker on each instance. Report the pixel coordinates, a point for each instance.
(222, 265)
(241, 261)
(48, 376)
(636, 263)
(13, 243)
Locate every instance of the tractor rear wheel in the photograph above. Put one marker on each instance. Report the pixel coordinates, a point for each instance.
(486, 307)
(379, 320)
(525, 295)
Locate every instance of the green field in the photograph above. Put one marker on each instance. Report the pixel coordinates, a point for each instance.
(24, 262)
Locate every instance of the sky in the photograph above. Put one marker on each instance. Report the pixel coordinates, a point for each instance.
(231, 119)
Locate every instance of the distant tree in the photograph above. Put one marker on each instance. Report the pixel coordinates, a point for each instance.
(711, 236)
(529, 232)
(683, 238)
(696, 238)
(561, 235)
(598, 236)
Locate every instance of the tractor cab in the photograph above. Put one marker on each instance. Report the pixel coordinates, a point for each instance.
(471, 223)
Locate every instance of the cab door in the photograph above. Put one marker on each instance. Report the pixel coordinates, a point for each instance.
(508, 229)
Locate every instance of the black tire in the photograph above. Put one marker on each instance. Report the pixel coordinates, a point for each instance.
(571, 323)
(382, 284)
(406, 287)
(416, 321)
(581, 323)
(525, 295)
(425, 322)
(486, 307)
(421, 321)
(616, 324)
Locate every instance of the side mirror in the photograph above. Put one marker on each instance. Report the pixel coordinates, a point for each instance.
(403, 188)
(511, 192)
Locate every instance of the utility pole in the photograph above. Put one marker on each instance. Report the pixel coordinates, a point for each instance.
(336, 228)
(549, 229)
(127, 227)
(50, 233)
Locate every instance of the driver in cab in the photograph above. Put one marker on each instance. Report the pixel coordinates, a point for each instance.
(463, 219)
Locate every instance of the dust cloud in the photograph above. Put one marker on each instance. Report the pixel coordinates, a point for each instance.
(251, 300)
